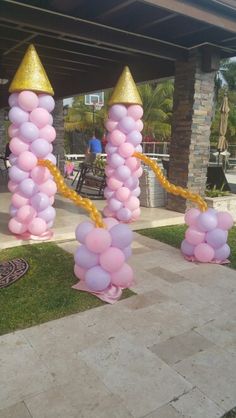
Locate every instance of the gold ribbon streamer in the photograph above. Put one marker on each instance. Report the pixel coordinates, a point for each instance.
(63, 189)
(171, 188)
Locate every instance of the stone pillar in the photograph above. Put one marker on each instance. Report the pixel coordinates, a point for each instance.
(190, 141)
(2, 132)
(58, 123)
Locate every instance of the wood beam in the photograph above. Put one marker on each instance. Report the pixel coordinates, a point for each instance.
(100, 35)
(158, 21)
(196, 12)
(115, 9)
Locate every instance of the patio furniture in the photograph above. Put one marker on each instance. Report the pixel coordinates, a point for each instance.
(91, 181)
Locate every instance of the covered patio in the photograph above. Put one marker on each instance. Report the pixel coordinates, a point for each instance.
(85, 44)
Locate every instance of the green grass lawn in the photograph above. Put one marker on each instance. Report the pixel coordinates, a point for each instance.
(44, 292)
(174, 235)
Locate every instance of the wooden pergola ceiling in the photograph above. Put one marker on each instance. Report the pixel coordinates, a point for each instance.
(84, 44)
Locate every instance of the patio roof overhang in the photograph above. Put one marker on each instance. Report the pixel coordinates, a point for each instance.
(84, 44)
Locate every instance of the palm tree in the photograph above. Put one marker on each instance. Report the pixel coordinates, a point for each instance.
(157, 106)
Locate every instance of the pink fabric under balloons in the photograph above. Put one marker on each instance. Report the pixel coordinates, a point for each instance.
(123, 170)
(33, 191)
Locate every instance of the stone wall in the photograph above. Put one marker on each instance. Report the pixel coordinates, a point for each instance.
(2, 132)
(190, 142)
(58, 123)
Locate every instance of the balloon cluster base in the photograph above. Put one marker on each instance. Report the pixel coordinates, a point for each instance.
(110, 295)
(27, 236)
(193, 259)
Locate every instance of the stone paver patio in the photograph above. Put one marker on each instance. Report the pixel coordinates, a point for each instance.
(169, 352)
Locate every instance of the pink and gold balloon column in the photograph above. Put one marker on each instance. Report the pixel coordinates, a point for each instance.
(32, 134)
(124, 125)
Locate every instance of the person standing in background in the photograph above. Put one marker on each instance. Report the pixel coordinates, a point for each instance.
(94, 148)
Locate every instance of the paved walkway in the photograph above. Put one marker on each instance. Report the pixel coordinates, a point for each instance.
(169, 352)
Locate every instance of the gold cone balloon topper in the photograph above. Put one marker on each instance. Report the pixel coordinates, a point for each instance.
(31, 75)
(125, 91)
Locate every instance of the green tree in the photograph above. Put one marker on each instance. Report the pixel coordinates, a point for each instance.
(157, 106)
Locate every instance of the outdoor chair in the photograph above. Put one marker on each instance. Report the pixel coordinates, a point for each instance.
(91, 181)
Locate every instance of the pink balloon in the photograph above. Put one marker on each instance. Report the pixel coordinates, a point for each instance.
(122, 194)
(82, 230)
(135, 112)
(85, 258)
(98, 240)
(17, 146)
(49, 187)
(40, 174)
(138, 173)
(110, 222)
(204, 253)
(134, 137)
(18, 200)
(123, 277)
(17, 175)
(16, 227)
(97, 279)
(13, 99)
(132, 203)
(110, 149)
(13, 131)
(132, 163)
(18, 116)
(117, 137)
(224, 220)
(109, 171)
(191, 216)
(206, 221)
(107, 212)
(25, 214)
(29, 131)
(37, 226)
(124, 215)
(110, 125)
(136, 214)
(139, 125)
(216, 238)
(116, 160)
(40, 201)
(194, 236)
(114, 204)
(108, 193)
(40, 117)
(50, 122)
(48, 133)
(47, 214)
(27, 161)
(117, 112)
(139, 149)
(28, 188)
(40, 147)
(126, 124)
(28, 100)
(126, 150)
(187, 248)
(122, 173)
(222, 253)
(79, 272)
(112, 259)
(12, 186)
(46, 102)
(113, 183)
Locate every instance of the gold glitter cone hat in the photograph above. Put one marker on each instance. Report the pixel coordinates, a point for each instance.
(31, 75)
(125, 91)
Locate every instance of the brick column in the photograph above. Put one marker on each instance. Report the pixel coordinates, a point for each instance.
(58, 123)
(190, 141)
